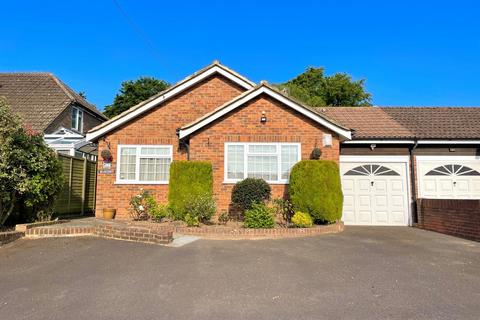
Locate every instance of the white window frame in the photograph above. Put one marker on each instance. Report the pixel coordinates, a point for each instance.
(79, 124)
(137, 162)
(245, 159)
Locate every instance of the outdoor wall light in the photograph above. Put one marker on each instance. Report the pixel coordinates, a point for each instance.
(263, 119)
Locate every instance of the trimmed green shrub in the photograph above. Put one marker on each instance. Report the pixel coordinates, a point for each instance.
(302, 220)
(315, 188)
(259, 216)
(188, 179)
(249, 191)
(202, 207)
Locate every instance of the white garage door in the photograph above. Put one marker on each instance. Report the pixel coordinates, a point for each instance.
(375, 193)
(448, 177)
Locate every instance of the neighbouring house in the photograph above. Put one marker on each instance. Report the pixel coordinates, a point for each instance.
(388, 157)
(49, 106)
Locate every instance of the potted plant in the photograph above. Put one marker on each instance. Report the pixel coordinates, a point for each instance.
(109, 213)
(106, 156)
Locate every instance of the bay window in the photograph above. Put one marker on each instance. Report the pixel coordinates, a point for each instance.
(149, 164)
(269, 161)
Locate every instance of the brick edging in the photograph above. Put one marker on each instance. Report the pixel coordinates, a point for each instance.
(9, 236)
(147, 235)
(224, 233)
(164, 234)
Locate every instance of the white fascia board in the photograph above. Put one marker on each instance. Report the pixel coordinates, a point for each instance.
(446, 158)
(412, 142)
(196, 79)
(448, 141)
(374, 159)
(379, 142)
(343, 132)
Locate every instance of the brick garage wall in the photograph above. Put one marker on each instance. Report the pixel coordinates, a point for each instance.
(158, 126)
(243, 125)
(459, 218)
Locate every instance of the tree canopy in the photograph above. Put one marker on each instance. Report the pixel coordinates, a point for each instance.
(317, 90)
(133, 92)
(30, 173)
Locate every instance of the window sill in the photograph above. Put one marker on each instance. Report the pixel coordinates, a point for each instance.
(269, 182)
(141, 182)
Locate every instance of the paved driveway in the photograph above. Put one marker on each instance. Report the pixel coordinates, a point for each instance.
(363, 273)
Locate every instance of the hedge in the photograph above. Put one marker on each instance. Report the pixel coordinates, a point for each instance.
(315, 188)
(188, 179)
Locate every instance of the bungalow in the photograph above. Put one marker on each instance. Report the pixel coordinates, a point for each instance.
(388, 156)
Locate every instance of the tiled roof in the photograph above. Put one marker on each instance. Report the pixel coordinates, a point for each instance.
(408, 122)
(39, 97)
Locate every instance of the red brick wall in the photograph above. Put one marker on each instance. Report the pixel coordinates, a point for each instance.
(158, 126)
(459, 218)
(243, 125)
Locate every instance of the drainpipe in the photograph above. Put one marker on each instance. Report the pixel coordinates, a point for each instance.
(413, 180)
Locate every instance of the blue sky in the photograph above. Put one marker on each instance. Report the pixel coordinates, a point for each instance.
(410, 53)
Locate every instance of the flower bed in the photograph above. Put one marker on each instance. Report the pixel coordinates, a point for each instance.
(236, 231)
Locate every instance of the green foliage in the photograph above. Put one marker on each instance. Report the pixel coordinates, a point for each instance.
(259, 216)
(144, 207)
(317, 90)
(30, 173)
(302, 220)
(201, 206)
(191, 221)
(188, 179)
(134, 92)
(283, 208)
(249, 191)
(223, 217)
(315, 188)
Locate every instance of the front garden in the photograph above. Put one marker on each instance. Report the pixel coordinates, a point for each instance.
(315, 198)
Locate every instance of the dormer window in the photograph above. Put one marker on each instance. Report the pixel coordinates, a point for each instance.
(77, 119)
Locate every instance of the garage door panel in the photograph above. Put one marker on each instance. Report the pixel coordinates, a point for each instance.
(380, 201)
(448, 178)
(379, 195)
(397, 185)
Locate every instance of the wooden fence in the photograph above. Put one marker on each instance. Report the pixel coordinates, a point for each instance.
(78, 194)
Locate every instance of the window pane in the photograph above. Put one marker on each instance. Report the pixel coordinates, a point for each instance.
(157, 151)
(264, 167)
(74, 118)
(154, 169)
(80, 121)
(235, 162)
(262, 148)
(127, 163)
(289, 157)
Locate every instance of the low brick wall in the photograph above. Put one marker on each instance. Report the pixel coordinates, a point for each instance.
(137, 234)
(104, 230)
(459, 218)
(223, 233)
(9, 236)
(58, 231)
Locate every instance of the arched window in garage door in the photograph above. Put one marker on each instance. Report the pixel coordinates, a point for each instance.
(371, 169)
(453, 170)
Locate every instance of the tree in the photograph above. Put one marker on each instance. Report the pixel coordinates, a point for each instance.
(133, 92)
(82, 94)
(317, 90)
(30, 173)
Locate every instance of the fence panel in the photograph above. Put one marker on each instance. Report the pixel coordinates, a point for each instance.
(78, 194)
